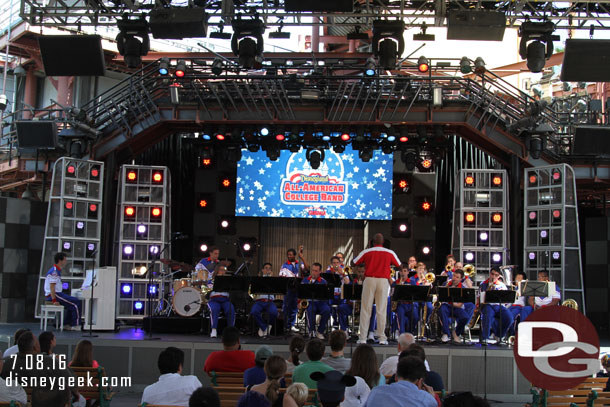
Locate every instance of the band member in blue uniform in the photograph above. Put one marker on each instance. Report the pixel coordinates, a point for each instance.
(264, 303)
(462, 312)
(220, 301)
(407, 313)
(292, 268)
(490, 311)
(53, 293)
(519, 310)
(207, 265)
(337, 269)
(317, 307)
(551, 300)
(420, 279)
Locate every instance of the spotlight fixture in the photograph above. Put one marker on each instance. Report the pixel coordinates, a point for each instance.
(217, 66)
(247, 246)
(535, 143)
(469, 256)
(402, 184)
(247, 42)
(422, 36)
(410, 157)
(315, 158)
(465, 66)
(365, 154)
(469, 218)
(180, 69)
(423, 65)
(388, 42)
(132, 41)
(401, 227)
(370, 67)
(164, 66)
(536, 44)
(479, 66)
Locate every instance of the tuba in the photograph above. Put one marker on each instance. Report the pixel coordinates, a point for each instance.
(507, 275)
(470, 271)
(570, 303)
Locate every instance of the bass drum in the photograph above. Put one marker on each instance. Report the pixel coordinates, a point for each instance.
(187, 301)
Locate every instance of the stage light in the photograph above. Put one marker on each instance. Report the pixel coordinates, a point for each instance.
(205, 203)
(315, 158)
(531, 256)
(465, 66)
(424, 206)
(423, 65)
(142, 229)
(226, 225)
(404, 134)
(401, 183)
(80, 225)
(164, 66)
(410, 158)
(128, 252)
(157, 177)
(92, 211)
(247, 42)
(138, 307)
(483, 236)
(533, 179)
(264, 131)
(469, 257)
(280, 137)
(556, 216)
(496, 257)
(544, 234)
(217, 66)
(365, 154)
(479, 66)
(132, 176)
(247, 245)
(132, 40)
(273, 152)
(556, 255)
(94, 174)
(155, 214)
(67, 246)
(469, 217)
(90, 249)
(423, 248)
(154, 252)
(180, 69)
(370, 67)
(401, 228)
(540, 48)
(126, 289)
(425, 165)
(206, 162)
(345, 137)
(556, 258)
(388, 42)
(556, 176)
(69, 205)
(226, 182)
(152, 290)
(130, 212)
(496, 218)
(469, 181)
(203, 247)
(496, 180)
(71, 170)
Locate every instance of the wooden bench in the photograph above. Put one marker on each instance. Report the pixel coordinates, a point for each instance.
(97, 392)
(236, 379)
(593, 383)
(565, 398)
(12, 403)
(599, 398)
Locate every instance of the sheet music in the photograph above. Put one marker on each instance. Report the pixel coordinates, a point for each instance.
(89, 278)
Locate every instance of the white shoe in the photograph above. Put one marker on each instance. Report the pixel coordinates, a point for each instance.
(213, 334)
(445, 338)
(294, 329)
(268, 331)
(320, 336)
(360, 342)
(371, 336)
(76, 328)
(261, 333)
(397, 334)
(383, 343)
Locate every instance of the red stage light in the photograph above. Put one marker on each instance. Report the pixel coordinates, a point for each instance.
(403, 139)
(69, 205)
(131, 176)
(426, 206)
(345, 137)
(469, 217)
(156, 212)
(556, 175)
(557, 214)
(226, 183)
(403, 184)
(179, 73)
(92, 207)
(203, 203)
(532, 215)
(157, 177)
(496, 218)
(533, 179)
(71, 169)
(497, 180)
(130, 211)
(280, 137)
(206, 162)
(426, 163)
(95, 172)
(469, 180)
(423, 67)
(220, 137)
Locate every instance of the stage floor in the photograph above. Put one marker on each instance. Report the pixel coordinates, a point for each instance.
(130, 352)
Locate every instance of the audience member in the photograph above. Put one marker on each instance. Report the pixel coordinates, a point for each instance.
(364, 364)
(336, 359)
(253, 399)
(296, 347)
(388, 367)
(464, 399)
(298, 392)
(275, 369)
(204, 397)
(408, 391)
(14, 349)
(331, 386)
(433, 379)
(47, 342)
(356, 395)
(83, 355)
(172, 388)
(232, 358)
(256, 374)
(14, 392)
(315, 351)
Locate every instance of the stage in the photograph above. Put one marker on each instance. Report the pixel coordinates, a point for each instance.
(130, 353)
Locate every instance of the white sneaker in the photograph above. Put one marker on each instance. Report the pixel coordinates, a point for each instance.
(320, 336)
(294, 329)
(383, 343)
(360, 341)
(445, 338)
(213, 334)
(268, 331)
(371, 336)
(397, 334)
(261, 333)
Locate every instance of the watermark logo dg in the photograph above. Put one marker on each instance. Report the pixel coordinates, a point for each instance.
(556, 348)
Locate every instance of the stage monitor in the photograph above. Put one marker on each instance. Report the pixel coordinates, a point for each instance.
(37, 134)
(343, 187)
(586, 61)
(72, 55)
(592, 140)
(476, 25)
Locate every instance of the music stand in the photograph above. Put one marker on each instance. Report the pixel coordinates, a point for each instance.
(440, 281)
(268, 285)
(536, 288)
(456, 294)
(352, 292)
(231, 283)
(332, 279)
(315, 292)
(500, 297)
(411, 293)
(411, 274)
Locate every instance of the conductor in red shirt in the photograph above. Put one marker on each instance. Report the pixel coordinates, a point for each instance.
(232, 358)
(376, 286)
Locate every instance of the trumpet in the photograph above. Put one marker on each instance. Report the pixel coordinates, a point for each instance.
(347, 270)
(470, 271)
(430, 277)
(448, 268)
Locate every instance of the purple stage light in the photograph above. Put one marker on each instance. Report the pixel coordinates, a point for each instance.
(531, 255)
(126, 288)
(141, 229)
(128, 250)
(138, 305)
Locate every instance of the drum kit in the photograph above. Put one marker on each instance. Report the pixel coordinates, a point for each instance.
(187, 295)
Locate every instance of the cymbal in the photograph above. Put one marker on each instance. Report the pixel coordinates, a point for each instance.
(176, 265)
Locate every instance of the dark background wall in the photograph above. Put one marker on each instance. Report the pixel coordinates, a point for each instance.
(595, 242)
(21, 237)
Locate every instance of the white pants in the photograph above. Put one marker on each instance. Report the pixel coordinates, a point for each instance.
(377, 289)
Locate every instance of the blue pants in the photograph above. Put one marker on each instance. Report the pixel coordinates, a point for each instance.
(221, 303)
(522, 313)
(345, 310)
(72, 308)
(290, 308)
(408, 317)
(489, 313)
(334, 309)
(461, 316)
(318, 307)
(264, 306)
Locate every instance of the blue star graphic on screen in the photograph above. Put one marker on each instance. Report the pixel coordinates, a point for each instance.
(343, 187)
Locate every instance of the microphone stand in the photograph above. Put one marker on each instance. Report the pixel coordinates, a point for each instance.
(93, 275)
(150, 270)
